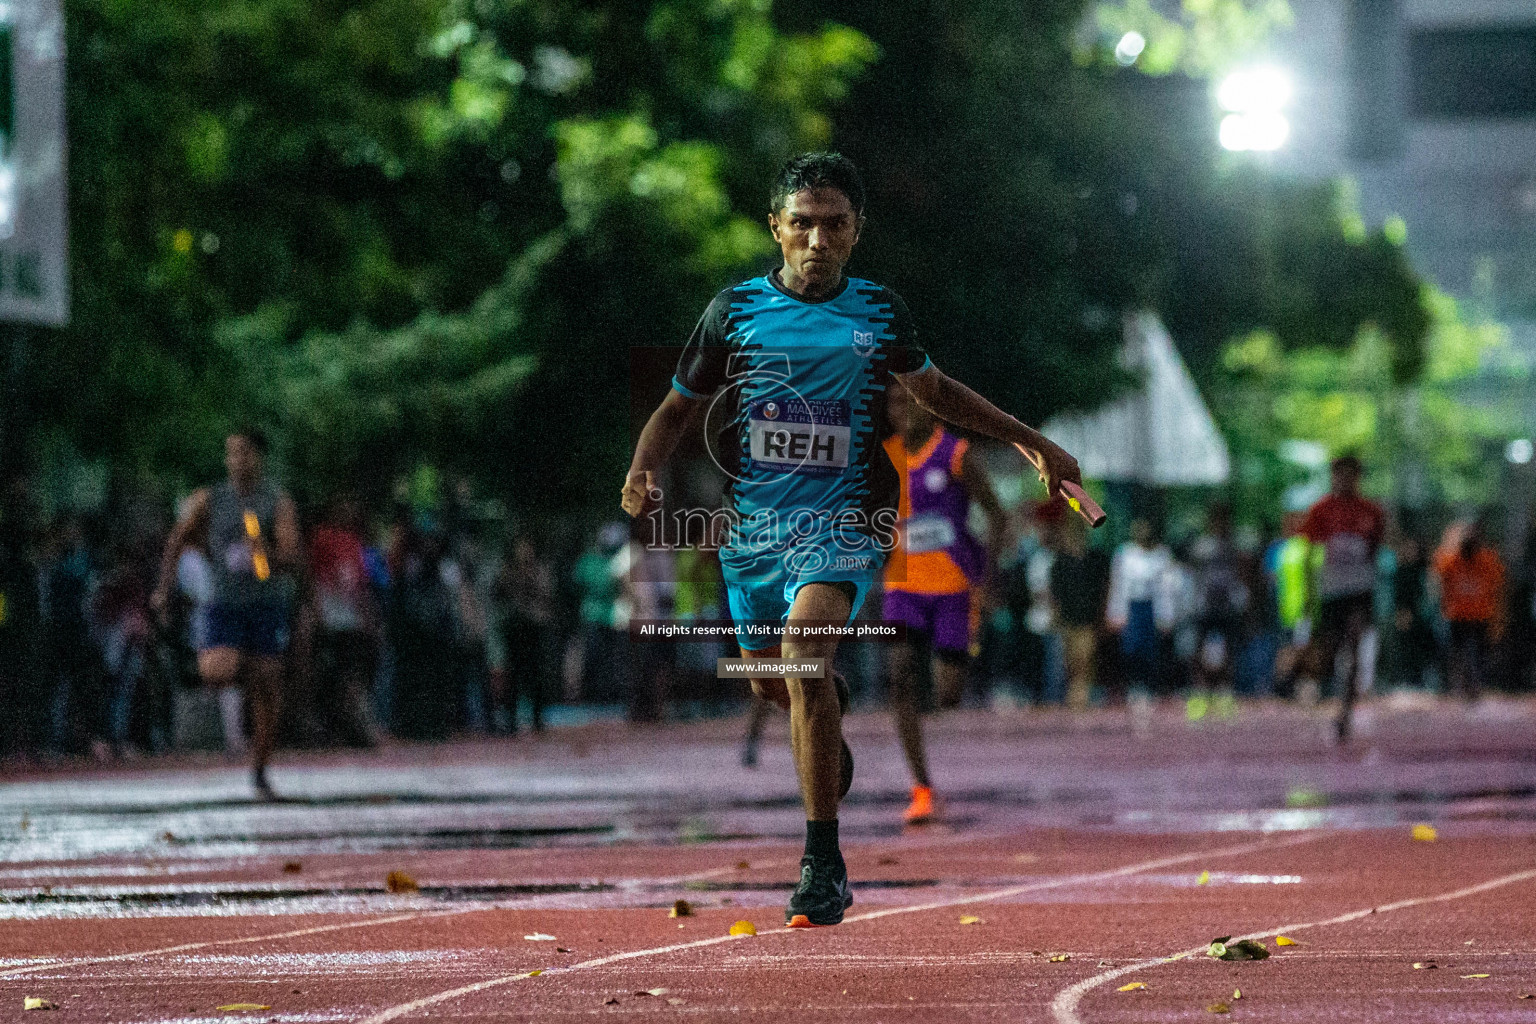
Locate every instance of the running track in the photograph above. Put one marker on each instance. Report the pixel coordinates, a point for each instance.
(159, 893)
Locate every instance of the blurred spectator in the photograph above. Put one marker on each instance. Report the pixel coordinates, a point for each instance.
(1079, 583)
(1139, 611)
(1411, 637)
(1286, 566)
(1042, 619)
(122, 618)
(347, 624)
(1471, 578)
(526, 590)
(601, 659)
(1221, 597)
(422, 625)
(73, 669)
(649, 579)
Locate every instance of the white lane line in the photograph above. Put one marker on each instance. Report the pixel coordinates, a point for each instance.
(85, 961)
(1064, 1006)
(65, 963)
(396, 1012)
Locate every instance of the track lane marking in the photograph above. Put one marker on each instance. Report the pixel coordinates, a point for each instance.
(1064, 1006)
(69, 962)
(401, 1010)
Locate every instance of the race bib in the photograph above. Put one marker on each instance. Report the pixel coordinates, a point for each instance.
(795, 436)
(929, 533)
(239, 557)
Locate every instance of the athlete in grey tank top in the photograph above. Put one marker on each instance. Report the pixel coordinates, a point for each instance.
(253, 542)
(241, 531)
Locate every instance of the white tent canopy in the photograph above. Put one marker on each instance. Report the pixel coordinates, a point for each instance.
(1161, 435)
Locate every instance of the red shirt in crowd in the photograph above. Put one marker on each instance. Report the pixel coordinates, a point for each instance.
(1349, 530)
(341, 577)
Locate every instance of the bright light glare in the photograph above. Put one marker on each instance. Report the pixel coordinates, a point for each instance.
(1520, 451)
(1129, 48)
(1260, 89)
(1260, 131)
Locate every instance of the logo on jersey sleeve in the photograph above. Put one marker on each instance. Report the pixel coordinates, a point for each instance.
(807, 436)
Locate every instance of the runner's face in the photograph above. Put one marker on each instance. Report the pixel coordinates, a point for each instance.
(816, 230)
(241, 459)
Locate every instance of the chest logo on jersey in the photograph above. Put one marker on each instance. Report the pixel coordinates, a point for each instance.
(801, 436)
(864, 342)
(935, 479)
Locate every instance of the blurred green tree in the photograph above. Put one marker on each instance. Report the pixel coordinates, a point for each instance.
(1026, 189)
(371, 223)
(409, 231)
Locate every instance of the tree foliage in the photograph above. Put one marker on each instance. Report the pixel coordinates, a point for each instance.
(1425, 445)
(433, 231)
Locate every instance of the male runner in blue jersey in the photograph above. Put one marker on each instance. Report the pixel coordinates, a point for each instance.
(796, 364)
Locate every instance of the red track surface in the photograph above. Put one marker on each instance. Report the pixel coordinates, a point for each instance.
(1065, 836)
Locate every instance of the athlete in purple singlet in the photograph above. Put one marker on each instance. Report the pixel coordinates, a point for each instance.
(933, 584)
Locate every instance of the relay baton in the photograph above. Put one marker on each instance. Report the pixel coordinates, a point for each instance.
(1076, 497)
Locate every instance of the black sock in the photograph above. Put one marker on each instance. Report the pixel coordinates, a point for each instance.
(821, 840)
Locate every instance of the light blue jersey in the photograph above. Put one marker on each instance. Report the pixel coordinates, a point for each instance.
(797, 411)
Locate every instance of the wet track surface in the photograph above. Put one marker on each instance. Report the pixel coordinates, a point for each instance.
(152, 892)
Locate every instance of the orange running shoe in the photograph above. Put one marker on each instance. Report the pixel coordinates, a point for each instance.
(921, 808)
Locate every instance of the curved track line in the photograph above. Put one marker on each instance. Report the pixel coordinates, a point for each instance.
(396, 1012)
(65, 963)
(1064, 1006)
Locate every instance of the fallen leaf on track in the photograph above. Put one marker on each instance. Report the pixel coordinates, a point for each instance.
(742, 865)
(399, 881)
(293, 867)
(1281, 940)
(653, 992)
(238, 1007)
(1061, 958)
(1218, 1008)
(682, 908)
(535, 974)
(1477, 975)
(970, 919)
(743, 928)
(611, 1001)
(1426, 965)
(561, 949)
(1204, 879)
(37, 1003)
(1237, 994)
(1134, 986)
(1242, 949)
(539, 937)
(1525, 995)
(886, 862)
(1425, 833)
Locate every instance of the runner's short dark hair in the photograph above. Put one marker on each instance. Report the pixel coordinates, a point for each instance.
(1348, 463)
(815, 170)
(255, 435)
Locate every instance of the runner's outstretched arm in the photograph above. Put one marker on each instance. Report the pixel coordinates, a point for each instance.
(948, 399)
(658, 439)
(192, 521)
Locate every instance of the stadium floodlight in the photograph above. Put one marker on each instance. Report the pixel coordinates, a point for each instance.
(1129, 48)
(1254, 101)
(1519, 451)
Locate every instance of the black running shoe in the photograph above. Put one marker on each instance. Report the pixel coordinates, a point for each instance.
(822, 895)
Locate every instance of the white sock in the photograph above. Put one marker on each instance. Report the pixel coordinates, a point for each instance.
(232, 713)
